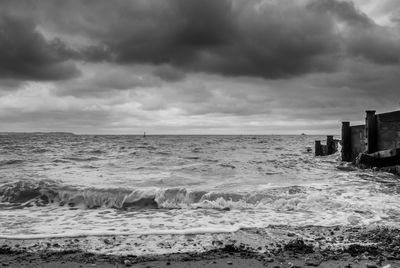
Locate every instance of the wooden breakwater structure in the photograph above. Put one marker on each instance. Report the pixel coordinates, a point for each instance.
(375, 144)
(331, 146)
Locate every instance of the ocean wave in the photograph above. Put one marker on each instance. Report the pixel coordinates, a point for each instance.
(227, 166)
(41, 193)
(82, 159)
(191, 157)
(60, 161)
(94, 151)
(10, 162)
(40, 150)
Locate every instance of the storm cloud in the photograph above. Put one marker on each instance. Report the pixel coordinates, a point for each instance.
(225, 37)
(26, 54)
(188, 64)
(267, 39)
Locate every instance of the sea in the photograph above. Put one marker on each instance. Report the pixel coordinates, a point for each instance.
(61, 185)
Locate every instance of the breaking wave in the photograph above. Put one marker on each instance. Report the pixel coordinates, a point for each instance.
(41, 193)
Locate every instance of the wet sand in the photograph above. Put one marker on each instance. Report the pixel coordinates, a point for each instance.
(295, 247)
(214, 259)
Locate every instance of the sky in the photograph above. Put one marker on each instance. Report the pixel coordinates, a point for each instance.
(196, 66)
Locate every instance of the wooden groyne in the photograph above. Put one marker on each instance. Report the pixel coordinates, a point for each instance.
(375, 144)
(331, 146)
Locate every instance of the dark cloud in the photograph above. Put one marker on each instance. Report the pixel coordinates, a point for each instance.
(9, 84)
(225, 37)
(168, 73)
(122, 80)
(267, 39)
(103, 80)
(345, 11)
(362, 37)
(26, 54)
(365, 79)
(181, 64)
(94, 53)
(376, 43)
(219, 37)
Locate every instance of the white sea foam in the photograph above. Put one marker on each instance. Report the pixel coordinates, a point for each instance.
(74, 234)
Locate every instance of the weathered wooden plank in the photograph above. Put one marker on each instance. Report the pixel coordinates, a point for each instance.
(384, 158)
(330, 145)
(372, 139)
(318, 148)
(389, 117)
(346, 141)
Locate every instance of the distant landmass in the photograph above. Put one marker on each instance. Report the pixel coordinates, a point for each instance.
(37, 133)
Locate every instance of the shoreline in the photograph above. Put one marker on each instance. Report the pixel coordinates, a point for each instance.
(227, 257)
(275, 246)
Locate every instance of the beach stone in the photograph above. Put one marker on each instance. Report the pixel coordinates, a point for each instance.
(298, 246)
(313, 262)
(391, 257)
(127, 263)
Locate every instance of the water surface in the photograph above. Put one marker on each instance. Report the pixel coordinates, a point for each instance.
(63, 185)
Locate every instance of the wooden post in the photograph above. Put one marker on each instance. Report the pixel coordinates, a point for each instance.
(330, 145)
(318, 148)
(346, 142)
(371, 132)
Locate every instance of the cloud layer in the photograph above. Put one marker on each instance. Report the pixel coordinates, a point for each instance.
(26, 54)
(190, 65)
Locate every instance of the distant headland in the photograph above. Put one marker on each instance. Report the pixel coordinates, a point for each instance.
(37, 133)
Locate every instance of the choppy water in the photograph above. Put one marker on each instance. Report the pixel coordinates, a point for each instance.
(52, 185)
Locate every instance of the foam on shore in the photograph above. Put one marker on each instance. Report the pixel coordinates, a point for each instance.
(194, 231)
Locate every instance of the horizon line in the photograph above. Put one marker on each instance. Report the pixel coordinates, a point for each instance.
(157, 134)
